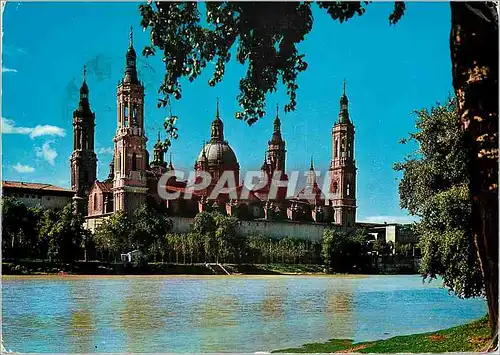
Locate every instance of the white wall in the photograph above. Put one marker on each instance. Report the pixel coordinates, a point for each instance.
(35, 200)
(270, 229)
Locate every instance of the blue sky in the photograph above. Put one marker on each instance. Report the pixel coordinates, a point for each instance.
(390, 71)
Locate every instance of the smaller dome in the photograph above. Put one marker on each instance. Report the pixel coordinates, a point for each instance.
(218, 151)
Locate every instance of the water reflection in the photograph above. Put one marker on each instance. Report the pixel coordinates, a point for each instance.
(81, 325)
(218, 314)
(142, 315)
(339, 310)
(272, 304)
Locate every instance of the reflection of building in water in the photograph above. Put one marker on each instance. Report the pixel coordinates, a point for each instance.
(339, 310)
(142, 314)
(272, 304)
(82, 320)
(217, 319)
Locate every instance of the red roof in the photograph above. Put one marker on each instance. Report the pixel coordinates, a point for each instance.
(308, 194)
(104, 186)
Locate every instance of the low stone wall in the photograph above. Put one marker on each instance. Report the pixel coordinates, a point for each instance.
(275, 229)
(397, 265)
(272, 229)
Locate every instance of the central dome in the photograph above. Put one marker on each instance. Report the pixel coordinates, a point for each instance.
(218, 152)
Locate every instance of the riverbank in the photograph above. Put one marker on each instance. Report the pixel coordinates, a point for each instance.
(31, 267)
(474, 336)
(41, 267)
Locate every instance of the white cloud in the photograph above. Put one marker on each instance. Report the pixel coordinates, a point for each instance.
(47, 153)
(8, 70)
(389, 219)
(47, 130)
(106, 151)
(23, 168)
(9, 127)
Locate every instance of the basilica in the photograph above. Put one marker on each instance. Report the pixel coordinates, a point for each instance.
(134, 173)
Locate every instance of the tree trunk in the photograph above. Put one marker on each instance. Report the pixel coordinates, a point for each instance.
(474, 54)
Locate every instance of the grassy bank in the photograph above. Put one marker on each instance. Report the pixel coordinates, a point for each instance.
(474, 336)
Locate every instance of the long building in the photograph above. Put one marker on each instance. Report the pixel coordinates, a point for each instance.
(37, 194)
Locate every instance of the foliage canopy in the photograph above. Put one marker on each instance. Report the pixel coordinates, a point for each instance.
(263, 36)
(434, 187)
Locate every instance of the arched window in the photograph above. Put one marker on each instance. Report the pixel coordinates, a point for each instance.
(125, 114)
(118, 162)
(348, 190)
(134, 162)
(134, 114)
(95, 201)
(335, 187)
(336, 148)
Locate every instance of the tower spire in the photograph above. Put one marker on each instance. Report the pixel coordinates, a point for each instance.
(312, 164)
(130, 69)
(344, 109)
(170, 165)
(277, 128)
(84, 105)
(217, 109)
(217, 127)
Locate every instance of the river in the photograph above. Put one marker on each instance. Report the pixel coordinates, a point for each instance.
(79, 314)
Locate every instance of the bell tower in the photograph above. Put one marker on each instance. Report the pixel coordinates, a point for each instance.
(343, 167)
(274, 160)
(130, 182)
(83, 159)
(276, 151)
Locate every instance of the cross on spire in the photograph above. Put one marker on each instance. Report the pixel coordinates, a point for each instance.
(312, 165)
(344, 86)
(131, 36)
(277, 109)
(217, 109)
(84, 72)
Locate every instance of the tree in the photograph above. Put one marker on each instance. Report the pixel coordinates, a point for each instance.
(14, 213)
(474, 55)
(266, 36)
(344, 250)
(228, 242)
(435, 187)
(63, 232)
(114, 235)
(148, 227)
(204, 223)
